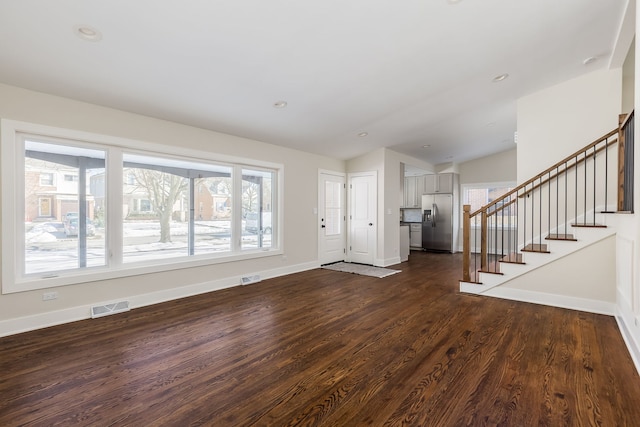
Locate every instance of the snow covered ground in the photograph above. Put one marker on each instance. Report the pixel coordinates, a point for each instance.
(48, 249)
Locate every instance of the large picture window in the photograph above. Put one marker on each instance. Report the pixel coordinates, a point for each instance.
(86, 207)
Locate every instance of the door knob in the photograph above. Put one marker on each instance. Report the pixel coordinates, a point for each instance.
(370, 224)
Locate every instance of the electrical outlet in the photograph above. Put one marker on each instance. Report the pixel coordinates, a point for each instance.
(48, 296)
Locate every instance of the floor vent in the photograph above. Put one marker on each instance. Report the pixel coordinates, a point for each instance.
(107, 309)
(247, 280)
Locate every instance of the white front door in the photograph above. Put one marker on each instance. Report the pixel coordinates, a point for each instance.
(363, 188)
(331, 214)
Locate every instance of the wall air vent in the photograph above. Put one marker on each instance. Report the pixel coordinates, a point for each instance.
(107, 309)
(247, 280)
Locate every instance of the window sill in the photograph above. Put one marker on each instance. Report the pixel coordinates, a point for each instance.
(95, 274)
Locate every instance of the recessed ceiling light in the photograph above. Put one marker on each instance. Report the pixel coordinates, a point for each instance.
(590, 60)
(500, 78)
(363, 134)
(88, 33)
(280, 104)
(453, 1)
(426, 146)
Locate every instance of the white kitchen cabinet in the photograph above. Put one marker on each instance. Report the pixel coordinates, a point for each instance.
(409, 192)
(419, 190)
(413, 190)
(438, 183)
(429, 184)
(415, 235)
(445, 183)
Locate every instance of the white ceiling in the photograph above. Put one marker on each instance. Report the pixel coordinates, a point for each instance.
(410, 73)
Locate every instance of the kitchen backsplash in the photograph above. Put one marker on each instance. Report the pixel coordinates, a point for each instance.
(411, 215)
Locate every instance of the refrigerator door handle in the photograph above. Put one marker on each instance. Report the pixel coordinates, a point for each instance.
(434, 214)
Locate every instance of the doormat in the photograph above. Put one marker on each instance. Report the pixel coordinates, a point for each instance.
(365, 270)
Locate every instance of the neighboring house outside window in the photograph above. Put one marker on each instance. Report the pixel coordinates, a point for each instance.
(46, 179)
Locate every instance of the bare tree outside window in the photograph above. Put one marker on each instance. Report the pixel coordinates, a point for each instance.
(164, 190)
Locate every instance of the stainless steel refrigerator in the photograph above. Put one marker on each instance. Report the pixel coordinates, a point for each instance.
(437, 222)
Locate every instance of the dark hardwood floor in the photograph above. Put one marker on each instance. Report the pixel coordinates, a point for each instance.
(325, 348)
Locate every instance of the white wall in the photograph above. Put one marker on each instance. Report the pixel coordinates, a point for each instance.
(587, 274)
(499, 167)
(628, 80)
(26, 310)
(555, 122)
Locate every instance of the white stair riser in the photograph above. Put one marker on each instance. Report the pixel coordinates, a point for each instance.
(533, 260)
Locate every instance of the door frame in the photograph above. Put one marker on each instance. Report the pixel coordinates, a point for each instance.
(321, 203)
(350, 176)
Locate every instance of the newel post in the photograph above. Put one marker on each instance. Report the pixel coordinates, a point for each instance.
(466, 243)
(621, 161)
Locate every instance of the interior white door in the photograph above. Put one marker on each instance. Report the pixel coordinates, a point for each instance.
(363, 189)
(332, 237)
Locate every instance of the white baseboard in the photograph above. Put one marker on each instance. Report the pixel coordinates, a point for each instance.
(628, 340)
(629, 325)
(553, 300)
(387, 262)
(53, 318)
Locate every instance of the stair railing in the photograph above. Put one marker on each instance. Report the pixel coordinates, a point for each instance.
(567, 194)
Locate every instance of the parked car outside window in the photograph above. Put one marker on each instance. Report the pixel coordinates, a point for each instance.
(71, 227)
(252, 222)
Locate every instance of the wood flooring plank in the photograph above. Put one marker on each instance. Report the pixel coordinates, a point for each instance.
(324, 348)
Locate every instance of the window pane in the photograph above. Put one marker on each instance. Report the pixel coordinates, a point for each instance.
(213, 203)
(333, 208)
(56, 236)
(155, 209)
(479, 197)
(257, 209)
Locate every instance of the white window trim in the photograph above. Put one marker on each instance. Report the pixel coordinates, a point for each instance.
(12, 231)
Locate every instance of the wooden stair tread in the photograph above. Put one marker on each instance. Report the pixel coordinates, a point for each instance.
(562, 236)
(583, 225)
(471, 281)
(491, 272)
(536, 247)
(473, 278)
(513, 258)
(492, 267)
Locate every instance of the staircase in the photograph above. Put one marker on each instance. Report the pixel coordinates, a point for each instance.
(564, 209)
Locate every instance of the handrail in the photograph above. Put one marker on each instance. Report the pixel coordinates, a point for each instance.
(627, 118)
(567, 168)
(514, 220)
(546, 171)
